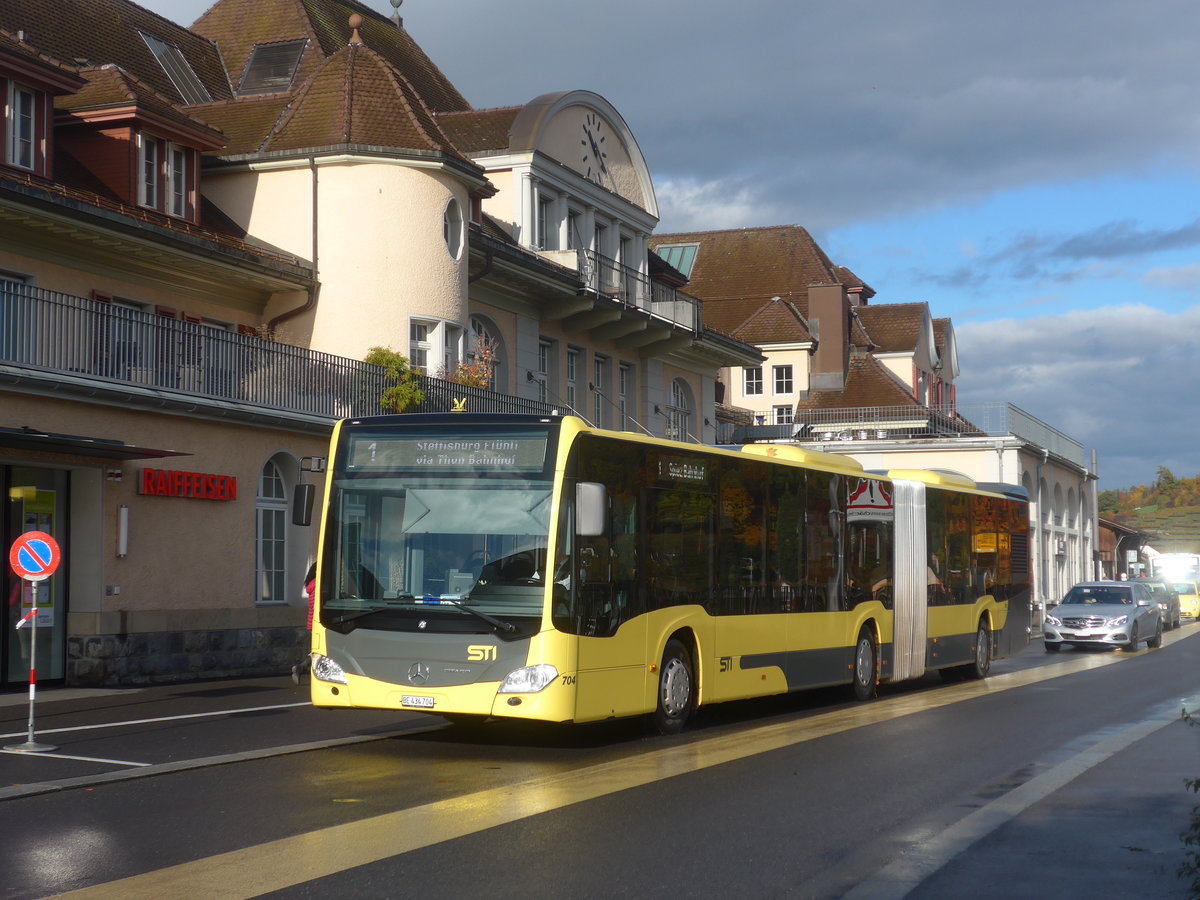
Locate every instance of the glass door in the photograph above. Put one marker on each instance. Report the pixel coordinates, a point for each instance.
(36, 500)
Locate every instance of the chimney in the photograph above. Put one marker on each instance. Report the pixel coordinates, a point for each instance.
(829, 316)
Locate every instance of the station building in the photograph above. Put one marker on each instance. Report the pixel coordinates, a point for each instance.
(204, 230)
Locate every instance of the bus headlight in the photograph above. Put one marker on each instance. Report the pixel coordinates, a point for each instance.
(325, 669)
(529, 679)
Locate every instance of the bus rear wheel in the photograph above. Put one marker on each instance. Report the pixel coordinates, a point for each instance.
(866, 661)
(676, 690)
(982, 663)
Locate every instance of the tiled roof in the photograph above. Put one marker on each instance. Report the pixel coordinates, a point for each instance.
(478, 131)
(15, 53)
(111, 86)
(893, 327)
(868, 383)
(246, 123)
(755, 263)
(755, 322)
(76, 200)
(358, 98)
(95, 32)
(238, 25)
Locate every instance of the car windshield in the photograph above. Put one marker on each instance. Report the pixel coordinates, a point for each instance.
(1184, 587)
(1099, 594)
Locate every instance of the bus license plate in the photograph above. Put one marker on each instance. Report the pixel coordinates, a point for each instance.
(419, 702)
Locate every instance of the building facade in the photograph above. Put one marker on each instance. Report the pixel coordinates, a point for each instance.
(204, 230)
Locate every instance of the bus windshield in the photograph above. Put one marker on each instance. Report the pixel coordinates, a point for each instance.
(447, 541)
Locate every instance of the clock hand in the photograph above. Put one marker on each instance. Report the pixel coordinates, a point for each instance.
(596, 153)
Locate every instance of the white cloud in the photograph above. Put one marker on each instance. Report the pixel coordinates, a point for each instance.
(687, 204)
(1121, 380)
(1185, 277)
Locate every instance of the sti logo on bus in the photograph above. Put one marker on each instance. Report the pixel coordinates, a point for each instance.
(481, 652)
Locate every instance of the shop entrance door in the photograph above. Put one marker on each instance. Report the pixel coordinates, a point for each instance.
(35, 500)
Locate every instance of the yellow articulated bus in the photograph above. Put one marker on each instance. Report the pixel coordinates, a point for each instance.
(533, 567)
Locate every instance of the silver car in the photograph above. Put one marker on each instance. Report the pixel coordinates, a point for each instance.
(1104, 614)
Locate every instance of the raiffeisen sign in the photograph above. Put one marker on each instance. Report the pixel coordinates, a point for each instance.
(189, 485)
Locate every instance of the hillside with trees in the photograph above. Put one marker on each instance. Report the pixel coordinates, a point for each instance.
(1169, 510)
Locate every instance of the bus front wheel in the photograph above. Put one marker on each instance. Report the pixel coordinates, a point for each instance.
(675, 688)
(865, 665)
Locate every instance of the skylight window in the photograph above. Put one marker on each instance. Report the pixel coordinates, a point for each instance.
(679, 256)
(271, 68)
(178, 69)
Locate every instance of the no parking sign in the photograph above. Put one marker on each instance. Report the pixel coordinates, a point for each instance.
(34, 556)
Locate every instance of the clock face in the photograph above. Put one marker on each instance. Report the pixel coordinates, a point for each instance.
(595, 164)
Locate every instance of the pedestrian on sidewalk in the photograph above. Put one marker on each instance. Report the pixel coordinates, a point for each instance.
(310, 590)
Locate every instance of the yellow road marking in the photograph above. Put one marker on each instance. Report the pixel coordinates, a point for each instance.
(275, 865)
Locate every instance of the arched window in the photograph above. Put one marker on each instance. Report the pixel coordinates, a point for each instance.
(487, 348)
(679, 411)
(271, 535)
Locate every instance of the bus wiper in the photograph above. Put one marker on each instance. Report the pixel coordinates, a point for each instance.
(369, 611)
(506, 627)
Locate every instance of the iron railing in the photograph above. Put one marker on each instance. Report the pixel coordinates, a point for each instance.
(1004, 418)
(610, 278)
(55, 332)
(892, 423)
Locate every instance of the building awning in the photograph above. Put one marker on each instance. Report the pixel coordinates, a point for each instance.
(26, 438)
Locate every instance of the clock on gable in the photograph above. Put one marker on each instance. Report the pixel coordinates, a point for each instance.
(594, 158)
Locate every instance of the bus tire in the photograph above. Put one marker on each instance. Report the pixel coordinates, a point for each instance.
(982, 664)
(866, 666)
(676, 688)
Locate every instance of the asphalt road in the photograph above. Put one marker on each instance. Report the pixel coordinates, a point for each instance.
(1061, 775)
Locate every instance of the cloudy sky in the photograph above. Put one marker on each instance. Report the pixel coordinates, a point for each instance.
(1029, 169)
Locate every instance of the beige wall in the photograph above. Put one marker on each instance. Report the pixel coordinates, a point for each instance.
(191, 562)
(380, 254)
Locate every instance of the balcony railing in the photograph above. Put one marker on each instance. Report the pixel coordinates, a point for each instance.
(54, 332)
(610, 278)
(1004, 418)
(892, 423)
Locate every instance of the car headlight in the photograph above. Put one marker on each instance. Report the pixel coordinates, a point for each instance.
(529, 679)
(325, 669)
(1118, 620)
(1053, 620)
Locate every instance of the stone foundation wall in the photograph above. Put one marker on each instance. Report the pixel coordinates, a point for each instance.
(114, 660)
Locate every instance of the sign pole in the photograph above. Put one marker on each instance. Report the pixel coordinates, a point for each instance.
(31, 745)
(34, 556)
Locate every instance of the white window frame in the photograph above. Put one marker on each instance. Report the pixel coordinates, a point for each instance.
(783, 415)
(599, 377)
(177, 194)
(574, 354)
(624, 381)
(783, 382)
(545, 349)
(149, 169)
(679, 412)
(420, 344)
(752, 381)
(21, 126)
(271, 524)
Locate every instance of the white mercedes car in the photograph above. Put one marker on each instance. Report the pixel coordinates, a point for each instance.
(1104, 614)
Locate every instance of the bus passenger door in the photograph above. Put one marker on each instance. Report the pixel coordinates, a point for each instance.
(606, 609)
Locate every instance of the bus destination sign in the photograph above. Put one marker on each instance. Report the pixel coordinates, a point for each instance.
(516, 453)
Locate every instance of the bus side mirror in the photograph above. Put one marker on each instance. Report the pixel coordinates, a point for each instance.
(590, 506)
(302, 503)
